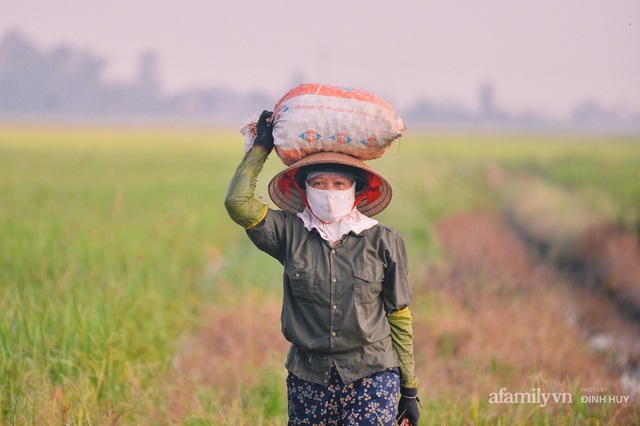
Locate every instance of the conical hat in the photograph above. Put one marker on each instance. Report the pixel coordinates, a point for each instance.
(284, 190)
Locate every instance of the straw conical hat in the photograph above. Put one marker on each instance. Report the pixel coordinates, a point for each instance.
(284, 190)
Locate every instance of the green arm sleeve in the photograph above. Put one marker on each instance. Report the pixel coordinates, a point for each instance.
(402, 337)
(241, 205)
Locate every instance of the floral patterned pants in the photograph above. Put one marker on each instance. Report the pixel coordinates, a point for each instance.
(372, 400)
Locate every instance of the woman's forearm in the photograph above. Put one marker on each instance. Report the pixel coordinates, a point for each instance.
(401, 324)
(240, 203)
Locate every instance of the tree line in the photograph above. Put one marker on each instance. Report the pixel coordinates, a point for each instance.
(67, 82)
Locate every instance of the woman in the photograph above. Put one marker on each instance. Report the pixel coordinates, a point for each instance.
(346, 293)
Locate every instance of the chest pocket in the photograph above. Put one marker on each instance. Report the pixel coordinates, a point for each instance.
(302, 281)
(367, 285)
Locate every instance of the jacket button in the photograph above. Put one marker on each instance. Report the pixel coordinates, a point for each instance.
(333, 280)
(333, 334)
(297, 275)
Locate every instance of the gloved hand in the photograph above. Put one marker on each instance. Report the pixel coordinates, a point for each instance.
(408, 406)
(264, 138)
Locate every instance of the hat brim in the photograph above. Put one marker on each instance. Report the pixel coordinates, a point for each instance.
(284, 194)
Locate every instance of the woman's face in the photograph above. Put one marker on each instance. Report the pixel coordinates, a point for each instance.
(329, 182)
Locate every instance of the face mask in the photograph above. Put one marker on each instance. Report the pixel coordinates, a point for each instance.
(331, 205)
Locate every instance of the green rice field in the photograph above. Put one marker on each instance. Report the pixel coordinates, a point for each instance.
(129, 296)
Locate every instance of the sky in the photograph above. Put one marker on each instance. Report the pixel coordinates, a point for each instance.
(543, 55)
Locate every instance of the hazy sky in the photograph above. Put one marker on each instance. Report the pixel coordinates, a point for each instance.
(542, 54)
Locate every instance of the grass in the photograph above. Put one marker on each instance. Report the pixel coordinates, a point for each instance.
(115, 250)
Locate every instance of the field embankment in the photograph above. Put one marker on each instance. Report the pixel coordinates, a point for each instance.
(585, 242)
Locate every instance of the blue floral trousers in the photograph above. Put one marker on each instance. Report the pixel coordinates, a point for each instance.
(372, 400)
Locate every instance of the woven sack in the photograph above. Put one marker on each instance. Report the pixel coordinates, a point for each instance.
(322, 118)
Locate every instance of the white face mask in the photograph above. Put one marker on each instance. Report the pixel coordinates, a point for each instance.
(331, 205)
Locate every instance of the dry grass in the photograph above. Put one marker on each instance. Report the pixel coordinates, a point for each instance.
(505, 321)
(238, 341)
(511, 315)
(231, 356)
(611, 262)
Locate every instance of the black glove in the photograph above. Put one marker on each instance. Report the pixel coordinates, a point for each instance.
(264, 136)
(408, 406)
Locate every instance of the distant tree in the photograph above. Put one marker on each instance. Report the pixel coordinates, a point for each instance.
(591, 112)
(75, 79)
(297, 78)
(21, 73)
(486, 96)
(32, 80)
(427, 112)
(488, 109)
(148, 81)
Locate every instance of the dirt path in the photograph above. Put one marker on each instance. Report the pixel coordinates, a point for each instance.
(484, 244)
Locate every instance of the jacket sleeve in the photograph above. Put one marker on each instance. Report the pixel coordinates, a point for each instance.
(401, 324)
(240, 203)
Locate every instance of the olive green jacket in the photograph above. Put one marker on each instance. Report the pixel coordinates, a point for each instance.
(344, 306)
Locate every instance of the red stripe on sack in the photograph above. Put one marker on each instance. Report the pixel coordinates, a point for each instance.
(336, 92)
